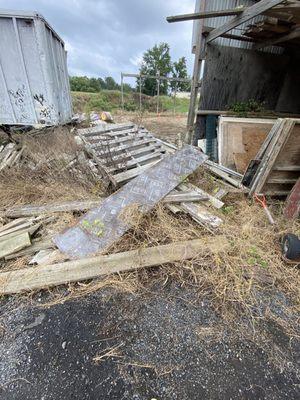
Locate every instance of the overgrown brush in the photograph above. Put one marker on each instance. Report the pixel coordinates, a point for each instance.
(52, 169)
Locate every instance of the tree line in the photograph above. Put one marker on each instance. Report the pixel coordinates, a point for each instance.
(156, 61)
(94, 85)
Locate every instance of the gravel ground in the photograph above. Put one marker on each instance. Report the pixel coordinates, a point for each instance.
(164, 344)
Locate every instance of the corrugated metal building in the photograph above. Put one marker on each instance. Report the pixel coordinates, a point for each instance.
(34, 82)
(236, 71)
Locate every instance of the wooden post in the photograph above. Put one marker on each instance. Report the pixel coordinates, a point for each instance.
(174, 104)
(158, 81)
(140, 82)
(199, 54)
(122, 92)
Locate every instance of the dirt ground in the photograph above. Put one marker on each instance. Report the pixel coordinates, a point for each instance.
(165, 126)
(166, 343)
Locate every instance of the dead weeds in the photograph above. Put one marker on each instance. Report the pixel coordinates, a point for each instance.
(231, 279)
(53, 169)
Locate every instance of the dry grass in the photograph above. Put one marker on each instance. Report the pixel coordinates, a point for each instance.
(230, 279)
(46, 174)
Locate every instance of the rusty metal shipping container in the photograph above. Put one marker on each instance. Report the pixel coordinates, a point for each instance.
(34, 82)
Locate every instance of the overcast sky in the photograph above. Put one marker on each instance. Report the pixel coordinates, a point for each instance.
(107, 37)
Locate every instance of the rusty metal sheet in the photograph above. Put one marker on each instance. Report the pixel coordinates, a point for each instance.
(102, 226)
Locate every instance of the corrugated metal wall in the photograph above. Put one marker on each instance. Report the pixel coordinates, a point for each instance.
(34, 82)
(213, 5)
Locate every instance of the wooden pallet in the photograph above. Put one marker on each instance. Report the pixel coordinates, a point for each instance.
(122, 151)
(277, 164)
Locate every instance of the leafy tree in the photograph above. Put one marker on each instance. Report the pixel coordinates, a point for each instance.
(111, 84)
(127, 88)
(156, 60)
(82, 84)
(180, 71)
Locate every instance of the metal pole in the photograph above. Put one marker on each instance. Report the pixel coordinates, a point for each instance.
(122, 92)
(158, 81)
(140, 94)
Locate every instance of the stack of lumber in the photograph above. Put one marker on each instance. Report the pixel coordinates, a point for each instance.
(9, 155)
(16, 235)
(18, 238)
(276, 167)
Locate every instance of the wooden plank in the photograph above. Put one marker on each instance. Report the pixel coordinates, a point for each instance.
(204, 15)
(187, 196)
(265, 153)
(208, 29)
(270, 159)
(201, 215)
(14, 244)
(108, 128)
(31, 210)
(36, 245)
(136, 161)
(132, 173)
(112, 134)
(292, 205)
(278, 40)
(282, 180)
(20, 227)
(118, 159)
(199, 56)
(246, 15)
(73, 271)
(121, 148)
(12, 224)
(112, 143)
(292, 168)
(212, 200)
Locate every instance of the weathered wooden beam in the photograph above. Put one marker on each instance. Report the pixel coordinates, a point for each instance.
(208, 29)
(30, 210)
(73, 271)
(246, 15)
(279, 40)
(205, 14)
(14, 244)
(187, 196)
(199, 56)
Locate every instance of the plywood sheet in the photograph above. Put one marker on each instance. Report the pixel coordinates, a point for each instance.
(241, 137)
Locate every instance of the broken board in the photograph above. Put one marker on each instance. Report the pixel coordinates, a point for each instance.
(278, 166)
(102, 226)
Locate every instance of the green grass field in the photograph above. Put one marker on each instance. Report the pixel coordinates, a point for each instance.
(110, 100)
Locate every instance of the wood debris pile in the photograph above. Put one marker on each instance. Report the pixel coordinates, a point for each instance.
(145, 171)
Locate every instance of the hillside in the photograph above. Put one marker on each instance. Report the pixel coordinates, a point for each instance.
(110, 100)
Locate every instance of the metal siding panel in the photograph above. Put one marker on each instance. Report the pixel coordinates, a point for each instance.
(14, 73)
(35, 74)
(34, 82)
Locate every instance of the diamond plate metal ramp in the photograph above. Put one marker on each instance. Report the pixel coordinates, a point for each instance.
(102, 226)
